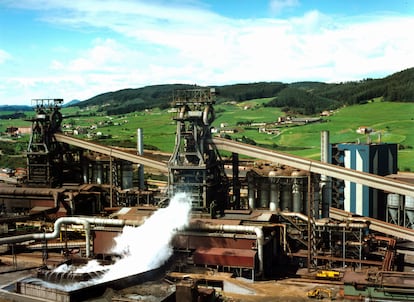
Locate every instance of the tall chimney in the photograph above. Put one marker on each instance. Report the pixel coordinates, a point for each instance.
(326, 182)
(140, 151)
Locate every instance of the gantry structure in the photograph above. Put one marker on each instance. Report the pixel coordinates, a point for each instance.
(195, 165)
(44, 156)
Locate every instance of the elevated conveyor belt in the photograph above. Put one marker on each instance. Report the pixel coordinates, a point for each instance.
(137, 159)
(375, 224)
(367, 179)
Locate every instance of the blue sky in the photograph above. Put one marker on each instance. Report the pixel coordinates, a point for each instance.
(76, 49)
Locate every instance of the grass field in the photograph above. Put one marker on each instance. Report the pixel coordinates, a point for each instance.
(391, 122)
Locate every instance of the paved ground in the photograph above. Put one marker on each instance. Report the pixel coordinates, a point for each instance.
(242, 290)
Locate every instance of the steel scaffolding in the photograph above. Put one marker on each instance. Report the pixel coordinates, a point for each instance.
(195, 166)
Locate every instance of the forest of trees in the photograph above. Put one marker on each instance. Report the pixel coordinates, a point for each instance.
(130, 100)
(14, 115)
(302, 102)
(301, 97)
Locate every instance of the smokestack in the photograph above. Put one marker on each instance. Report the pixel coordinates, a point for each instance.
(325, 146)
(140, 151)
(326, 183)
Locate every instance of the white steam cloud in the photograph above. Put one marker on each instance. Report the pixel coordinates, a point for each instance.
(148, 246)
(141, 248)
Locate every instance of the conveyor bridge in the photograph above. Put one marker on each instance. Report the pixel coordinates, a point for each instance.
(367, 179)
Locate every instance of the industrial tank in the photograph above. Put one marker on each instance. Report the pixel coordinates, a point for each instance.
(85, 172)
(274, 195)
(299, 191)
(285, 193)
(409, 212)
(278, 189)
(127, 175)
(98, 172)
(393, 208)
(264, 194)
(251, 191)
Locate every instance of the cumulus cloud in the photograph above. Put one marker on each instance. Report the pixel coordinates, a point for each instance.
(167, 42)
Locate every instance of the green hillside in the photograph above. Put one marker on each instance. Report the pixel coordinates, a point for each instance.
(385, 105)
(298, 98)
(392, 122)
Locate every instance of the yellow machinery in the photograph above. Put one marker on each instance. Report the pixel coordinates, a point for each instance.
(330, 275)
(320, 293)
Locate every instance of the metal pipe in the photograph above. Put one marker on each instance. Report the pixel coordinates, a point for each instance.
(54, 234)
(31, 191)
(377, 225)
(219, 235)
(303, 217)
(199, 225)
(85, 221)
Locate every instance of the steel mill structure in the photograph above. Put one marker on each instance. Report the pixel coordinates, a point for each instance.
(195, 165)
(268, 216)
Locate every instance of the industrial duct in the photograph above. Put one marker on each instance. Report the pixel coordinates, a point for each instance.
(352, 223)
(85, 221)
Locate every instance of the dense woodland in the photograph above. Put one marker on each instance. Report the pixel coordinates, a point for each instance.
(301, 97)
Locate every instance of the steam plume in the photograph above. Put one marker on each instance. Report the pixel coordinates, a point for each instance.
(148, 246)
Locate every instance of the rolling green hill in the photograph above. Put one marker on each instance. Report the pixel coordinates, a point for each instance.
(385, 105)
(392, 122)
(301, 97)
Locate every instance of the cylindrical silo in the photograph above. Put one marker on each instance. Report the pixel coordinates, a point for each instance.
(274, 178)
(251, 191)
(85, 171)
(286, 194)
(298, 194)
(264, 192)
(409, 212)
(393, 208)
(127, 173)
(98, 172)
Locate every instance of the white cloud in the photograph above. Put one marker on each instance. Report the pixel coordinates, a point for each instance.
(4, 56)
(277, 6)
(151, 43)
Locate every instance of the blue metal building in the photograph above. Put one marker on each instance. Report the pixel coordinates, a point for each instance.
(380, 159)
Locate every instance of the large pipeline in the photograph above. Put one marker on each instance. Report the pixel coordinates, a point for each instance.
(85, 221)
(376, 225)
(229, 228)
(346, 224)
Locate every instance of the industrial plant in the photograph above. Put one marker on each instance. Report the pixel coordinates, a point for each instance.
(232, 221)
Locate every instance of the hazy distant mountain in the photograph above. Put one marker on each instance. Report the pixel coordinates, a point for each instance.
(71, 103)
(15, 108)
